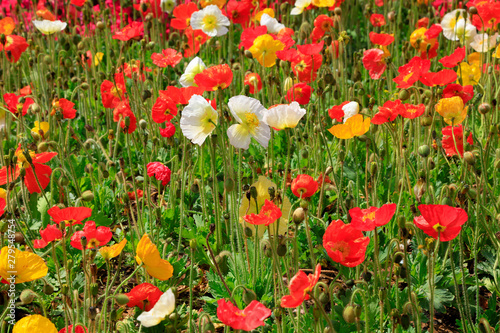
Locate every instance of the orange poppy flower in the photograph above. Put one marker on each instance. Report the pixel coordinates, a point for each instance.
(149, 256)
(354, 126)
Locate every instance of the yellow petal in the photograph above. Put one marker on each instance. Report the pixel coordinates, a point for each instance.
(163, 271)
(27, 266)
(109, 252)
(34, 323)
(3, 193)
(98, 58)
(342, 131)
(148, 254)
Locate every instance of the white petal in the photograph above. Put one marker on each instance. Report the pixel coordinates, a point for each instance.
(262, 134)
(194, 67)
(162, 308)
(273, 26)
(239, 105)
(239, 136)
(350, 109)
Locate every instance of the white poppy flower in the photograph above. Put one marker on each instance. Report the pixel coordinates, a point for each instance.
(194, 67)
(47, 27)
(300, 5)
(350, 109)
(284, 116)
(198, 119)
(164, 307)
(249, 113)
(483, 42)
(168, 5)
(456, 27)
(211, 21)
(272, 24)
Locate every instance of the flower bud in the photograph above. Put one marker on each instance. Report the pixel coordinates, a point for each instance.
(281, 250)
(193, 244)
(424, 150)
(404, 95)
(87, 196)
(27, 296)
(298, 215)
(349, 314)
(122, 299)
(249, 296)
(472, 10)
(48, 289)
(484, 108)
(143, 124)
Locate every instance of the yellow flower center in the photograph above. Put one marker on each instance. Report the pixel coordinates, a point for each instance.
(117, 92)
(342, 247)
(251, 121)
(22, 161)
(210, 22)
(369, 216)
(439, 228)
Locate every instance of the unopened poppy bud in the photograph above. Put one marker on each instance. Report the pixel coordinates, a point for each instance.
(305, 29)
(367, 276)
(48, 289)
(253, 192)
(373, 168)
(84, 86)
(298, 215)
(484, 108)
(395, 315)
(304, 204)
(64, 289)
(329, 79)
(338, 11)
(350, 283)
(248, 232)
(404, 95)
(472, 10)
(405, 321)
(27, 296)
(281, 250)
(19, 238)
(100, 25)
(143, 124)
(349, 314)
(484, 326)
(248, 296)
(122, 299)
(83, 240)
(469, 158)
(146, 94)
(447, 201)
(424, 150)
(208, 328)
(87, 196)
(391, 16)
(248, 54)
(43, 147)
(427, 92)
(288, 84)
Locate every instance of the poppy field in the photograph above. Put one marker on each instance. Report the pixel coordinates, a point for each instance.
(249, 166)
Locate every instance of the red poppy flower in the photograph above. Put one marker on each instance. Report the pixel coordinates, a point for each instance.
(466, 93)
(300, 92)
(300, 286)
(160, 171)
(182, 15)
(322, 24)
(3, 204)
(448, 143)
(441, 78)
(70, 215)
(77, 329)
(442, 220)
(214, 78)
(334, 49)
(254, 82)
(411, 111)
(239, 12)
(411, 72)
(78, 3)
(387, 113)
(345, 244)
(133, 196)
(311, 49)
(63, 106)
(422, 23)
(372, 217)
(374, 62)
(434, 31)
(25, 91)
(36, 167)
(336, 111)
(304, 186)
(13, 105)
(306, 67)
(488, 14)
(287, 55)
(285, 36)
(195, 38)
(113, 93)
(268, 214)
(379, 3)
(248, 319)
(14, 47)
(167, 57)
(377, 20)
(123, 111)
(151, 6)
(381, 39)
(144, 296)
(95, 236)
(453, 59)
(249, 34)
(134, 66)
(168, 131)
(164, 109)
(49, 234)
(181, 95)
(132, 31)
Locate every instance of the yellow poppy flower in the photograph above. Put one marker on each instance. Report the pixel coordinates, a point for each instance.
(3, 194)
(474, 59)
(97, 58)
(268, 11)
(323, 3)
(248, 207)
(218, 3)
(419, 40)
(109, 252)
(264, 50)
(34, 323)
(496, 54)
(148, 254)
(452, 109)
(354, 126)
(27, 266)
(470, 74)
(44, 126)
